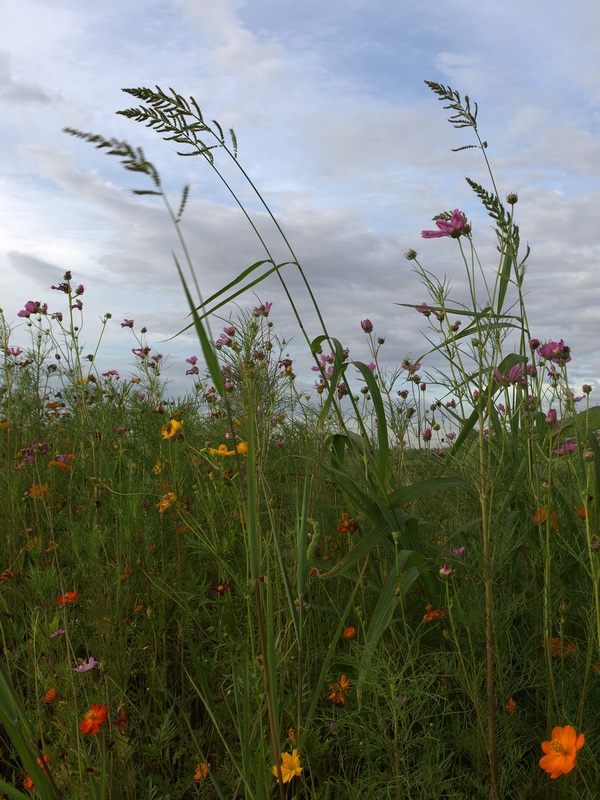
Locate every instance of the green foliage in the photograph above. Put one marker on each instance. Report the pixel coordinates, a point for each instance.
(400, 581)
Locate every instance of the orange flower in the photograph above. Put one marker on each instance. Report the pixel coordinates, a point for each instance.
(38, 490)
(93, 719)
(511, 706)
(562, 649)
(432, 613)
(340, 690)
(121, 721)
(241, 449)
(346, 524)
(67, 598)
(50, 695)
(201, 771)
(561, 751)
(349, 632)
(584, 513)
(167, 500)
(28, 784)
(540, 517)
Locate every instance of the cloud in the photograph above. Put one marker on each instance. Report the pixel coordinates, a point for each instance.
(19, 92)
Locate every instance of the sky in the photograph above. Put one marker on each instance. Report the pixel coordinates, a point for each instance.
(336, 127)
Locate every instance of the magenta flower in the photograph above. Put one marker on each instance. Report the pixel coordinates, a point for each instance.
(193, 360)
(13, 351)
(451, 436)
(459, 551)
(262, 310)
(59, 632)
(33, 307)
(110, 373)
(279, 442)
(571, 396)
(86, 666)
(427, 434)
(516, 374)
(223, 340)
(446, 570)
(127, 323)
(455, 226)
(557, 352)
(366, 325)
(220, 588)
(423, 309)
(568, 447)
(229, 330)
(551, 416)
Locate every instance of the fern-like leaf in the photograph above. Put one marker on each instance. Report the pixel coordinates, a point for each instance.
(493, 206)
(464, 116)
(184, 198)
(177, 120)
(132, 158)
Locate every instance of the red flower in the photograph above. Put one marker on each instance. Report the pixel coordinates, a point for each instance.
(94, 719)
(67, 598)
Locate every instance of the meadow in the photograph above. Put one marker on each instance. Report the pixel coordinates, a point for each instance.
(385, 587)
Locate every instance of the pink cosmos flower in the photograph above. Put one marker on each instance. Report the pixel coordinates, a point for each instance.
(86, 666)
(446, 570)
(262, 310)
(551, 416)
(516, 374)
(366, 325)
(455, 226)
(558, 352)
(568, 447)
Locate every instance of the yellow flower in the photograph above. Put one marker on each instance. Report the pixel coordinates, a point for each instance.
(170, 428)
(290, 766)
(242, 448)
(561, 751)
(221, 450)
(159, 466)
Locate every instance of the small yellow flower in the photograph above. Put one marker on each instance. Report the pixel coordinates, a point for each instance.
(242, 448)
(290, 766)
(170, 428)
(221, 450)
(159, 466)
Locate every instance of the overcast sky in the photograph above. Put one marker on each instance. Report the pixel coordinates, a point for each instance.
(337, 129)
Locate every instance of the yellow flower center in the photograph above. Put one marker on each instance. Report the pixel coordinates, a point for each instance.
(557, 747)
